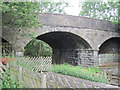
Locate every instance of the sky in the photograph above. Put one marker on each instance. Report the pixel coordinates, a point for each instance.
(73, 8)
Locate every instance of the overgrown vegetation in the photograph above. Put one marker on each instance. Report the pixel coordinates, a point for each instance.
(24, 15)
(106, 10)
(90, 73)
(20, 15)
(8, 81)
(37, 48)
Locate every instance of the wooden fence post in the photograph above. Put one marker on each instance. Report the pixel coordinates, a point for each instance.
(20, 75)
(43, 80)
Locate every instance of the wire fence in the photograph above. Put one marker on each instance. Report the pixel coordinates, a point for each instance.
(35, 63)
(25, 71)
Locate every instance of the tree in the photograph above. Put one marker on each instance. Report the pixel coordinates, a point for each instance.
(37, 48)
(20, 15)
(24, 15)
(101, 10)
(53, 7)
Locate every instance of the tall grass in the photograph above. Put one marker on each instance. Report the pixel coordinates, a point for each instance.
(90, 73)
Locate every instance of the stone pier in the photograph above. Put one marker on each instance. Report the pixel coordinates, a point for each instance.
(85, 57)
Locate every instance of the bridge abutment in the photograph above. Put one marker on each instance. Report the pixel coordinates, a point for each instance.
(84, 57)
(96, 57)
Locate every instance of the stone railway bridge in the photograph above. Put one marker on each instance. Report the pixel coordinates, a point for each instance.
(76, 40)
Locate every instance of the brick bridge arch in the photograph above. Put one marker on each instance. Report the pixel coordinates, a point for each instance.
(91, 33)
(66, 46)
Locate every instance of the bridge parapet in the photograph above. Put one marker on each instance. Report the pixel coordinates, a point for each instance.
(76, 22)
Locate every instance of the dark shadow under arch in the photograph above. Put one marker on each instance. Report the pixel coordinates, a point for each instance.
(64, 40)
(37, 48)
(111, 45)
(65, 45)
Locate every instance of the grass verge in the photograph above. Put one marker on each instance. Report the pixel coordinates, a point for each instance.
(90, 73)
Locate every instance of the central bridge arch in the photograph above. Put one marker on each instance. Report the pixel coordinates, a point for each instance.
(66, 46)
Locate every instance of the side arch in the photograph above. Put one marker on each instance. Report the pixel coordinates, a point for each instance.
(109, 51)
(112, 45)
(3, 38)
(102, 41)
(7, 48)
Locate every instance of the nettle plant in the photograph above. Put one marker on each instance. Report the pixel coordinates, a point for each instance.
(10, 83)
(7, 82)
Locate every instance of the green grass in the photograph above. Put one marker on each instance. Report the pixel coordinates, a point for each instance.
(80, 72)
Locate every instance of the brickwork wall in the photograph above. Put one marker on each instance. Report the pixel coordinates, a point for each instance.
(105, 58)
(86, 57)
(74, 57)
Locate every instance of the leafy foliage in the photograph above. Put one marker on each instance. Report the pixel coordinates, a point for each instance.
(20, 15)
(53, 7)
(101, 10)
(38, 48)
(8, 83)
(91, 73)
(24, 15)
